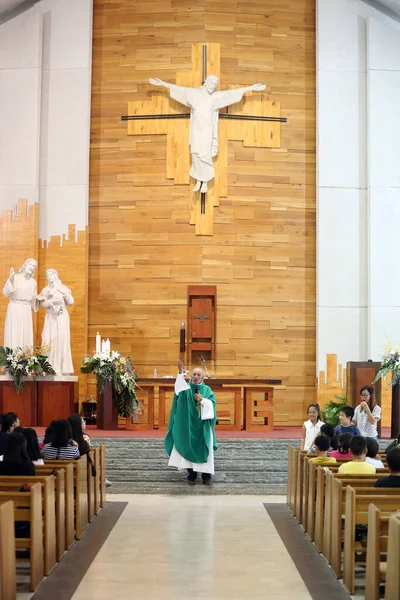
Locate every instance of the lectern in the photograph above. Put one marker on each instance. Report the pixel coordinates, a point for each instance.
(359, 374)
(107, 412)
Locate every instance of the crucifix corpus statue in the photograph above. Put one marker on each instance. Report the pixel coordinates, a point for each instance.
(204, 103)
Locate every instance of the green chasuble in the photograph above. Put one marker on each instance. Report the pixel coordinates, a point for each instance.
(186, 430)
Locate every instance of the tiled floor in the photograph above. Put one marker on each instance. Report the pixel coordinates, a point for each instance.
(181, 547)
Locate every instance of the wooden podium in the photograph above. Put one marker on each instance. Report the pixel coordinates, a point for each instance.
(107, 413)
(359, 374)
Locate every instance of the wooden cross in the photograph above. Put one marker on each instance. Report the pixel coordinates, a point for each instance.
(256, 124)
(202, 317)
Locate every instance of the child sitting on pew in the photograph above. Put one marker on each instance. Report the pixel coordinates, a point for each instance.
(358, 449)
(343, 451)
(329, 431)
(393, 461)
(322, 445)
(372, 451)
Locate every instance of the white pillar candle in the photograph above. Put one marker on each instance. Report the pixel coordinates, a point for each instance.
(98, 343)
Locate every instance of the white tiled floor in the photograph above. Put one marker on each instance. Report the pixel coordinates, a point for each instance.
(191, 547)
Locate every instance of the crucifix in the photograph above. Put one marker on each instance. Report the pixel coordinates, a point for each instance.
(204, 103)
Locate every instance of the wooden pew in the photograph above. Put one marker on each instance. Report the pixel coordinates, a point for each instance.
(81, 491)
(365, 484)
(8, 586)
(323, 503)
(28, 507)
(49, 512)
(102, 459)
(95, 456)
(289, 483)
(392, 591)
(375, 573)
(356, 513)
(90, 489)
(64, 503)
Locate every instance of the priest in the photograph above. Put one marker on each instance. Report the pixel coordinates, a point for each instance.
(190, 441)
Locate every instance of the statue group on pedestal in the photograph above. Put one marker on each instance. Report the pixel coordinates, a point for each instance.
(21, 289)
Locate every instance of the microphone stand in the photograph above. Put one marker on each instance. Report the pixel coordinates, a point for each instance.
(203, 362)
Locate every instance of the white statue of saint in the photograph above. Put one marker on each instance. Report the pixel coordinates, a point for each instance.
(56, 331)
(21, 288)
(204, 103)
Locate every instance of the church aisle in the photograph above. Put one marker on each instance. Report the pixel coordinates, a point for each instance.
(180, 547)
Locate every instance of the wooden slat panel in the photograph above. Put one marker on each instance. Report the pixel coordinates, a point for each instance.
(143, 252)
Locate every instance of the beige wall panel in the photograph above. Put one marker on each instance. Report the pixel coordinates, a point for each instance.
(143, 252)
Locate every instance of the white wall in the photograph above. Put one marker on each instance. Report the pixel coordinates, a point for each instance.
(358, 181)
(45, 84)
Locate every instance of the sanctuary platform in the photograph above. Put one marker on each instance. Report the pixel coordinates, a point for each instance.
(136, 462)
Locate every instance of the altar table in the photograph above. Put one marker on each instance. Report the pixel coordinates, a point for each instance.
(251, 408)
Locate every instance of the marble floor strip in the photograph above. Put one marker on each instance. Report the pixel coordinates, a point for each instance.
(313, 568)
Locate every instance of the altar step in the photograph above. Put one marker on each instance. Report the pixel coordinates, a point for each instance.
(242, 466)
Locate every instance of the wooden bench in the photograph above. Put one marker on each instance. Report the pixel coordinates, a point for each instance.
(392, 591)
(49, 512)
(337, 534)
(64, 503)
(356, 513)
(102, 481)
(323, 502)
(8, 586)
(378, 526)
(28, 507)
(81, 490)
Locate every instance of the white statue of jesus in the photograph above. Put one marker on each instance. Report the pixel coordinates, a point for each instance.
(55, 297)
(21, 289)
(204, 103)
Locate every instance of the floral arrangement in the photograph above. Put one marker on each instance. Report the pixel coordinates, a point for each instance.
(25, 362)
(119, 371)
(390, 364)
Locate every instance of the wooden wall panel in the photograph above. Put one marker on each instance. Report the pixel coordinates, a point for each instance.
(143, 253)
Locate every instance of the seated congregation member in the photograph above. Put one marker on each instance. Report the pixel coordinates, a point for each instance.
(329, 430)
(358, 449)
(8, 423)
(61, 446)
(312, 427)
(16, 461)
(367, 413)
(322, 445)
(343, 451)
(393, 461)
(48, 436)
(32, 444)
(345, 416)
(77, 433)
(372, 451)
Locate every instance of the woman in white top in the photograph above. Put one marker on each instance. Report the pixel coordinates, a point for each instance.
(367, 413)
(312, 427)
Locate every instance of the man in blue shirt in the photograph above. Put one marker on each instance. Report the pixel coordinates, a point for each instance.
(345, 417)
